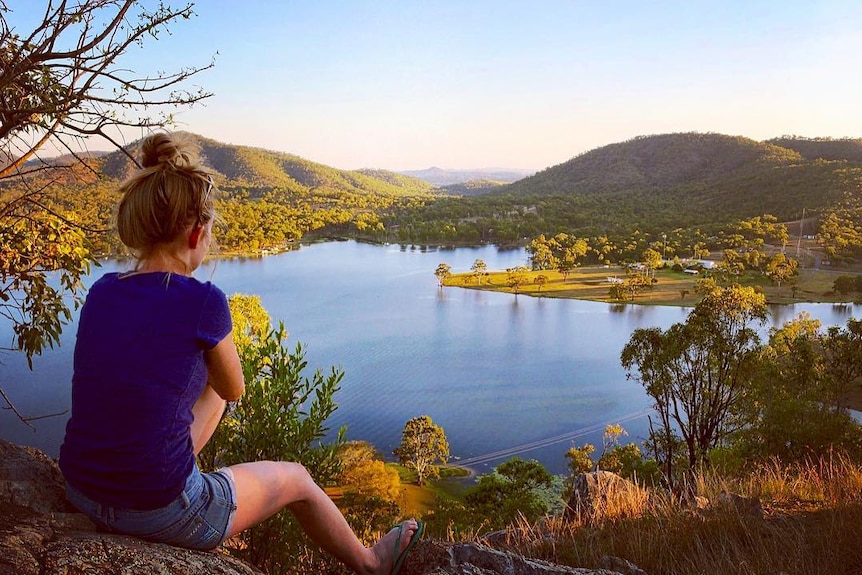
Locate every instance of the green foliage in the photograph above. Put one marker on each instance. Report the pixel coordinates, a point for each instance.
(781, 268)
(842, 351)
(848, 149)
(840, 232)
(794, 407)
(282, 417)
(674, 184)
(42, 260)
(626, 460)
(423, 444)
(513, 491)
(479, 269)
(697, 373)
(845, 284)
(562, 252)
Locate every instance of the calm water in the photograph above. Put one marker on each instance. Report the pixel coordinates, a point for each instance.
(501, 374)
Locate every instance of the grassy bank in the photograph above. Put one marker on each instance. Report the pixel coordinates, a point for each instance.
(809, 524)
(672, 288)
(418, 500)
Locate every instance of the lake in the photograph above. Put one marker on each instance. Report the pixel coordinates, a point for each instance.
(503, 375)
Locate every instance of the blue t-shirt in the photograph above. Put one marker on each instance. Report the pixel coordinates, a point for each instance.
(138, 370)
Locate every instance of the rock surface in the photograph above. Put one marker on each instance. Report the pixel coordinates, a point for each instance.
(41, 535)
(601, 494)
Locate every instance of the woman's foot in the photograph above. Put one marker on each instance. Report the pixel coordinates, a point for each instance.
(389, 552)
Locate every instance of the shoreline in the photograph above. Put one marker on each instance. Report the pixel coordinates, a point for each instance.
(676, 289)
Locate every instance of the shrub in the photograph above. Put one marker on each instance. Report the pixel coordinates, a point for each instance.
(281, 417)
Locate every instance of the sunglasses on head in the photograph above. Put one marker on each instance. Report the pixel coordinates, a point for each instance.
(210, 185)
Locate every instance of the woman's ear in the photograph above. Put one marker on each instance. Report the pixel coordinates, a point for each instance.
(195, 236)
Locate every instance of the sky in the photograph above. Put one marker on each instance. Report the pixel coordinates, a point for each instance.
(404, 85)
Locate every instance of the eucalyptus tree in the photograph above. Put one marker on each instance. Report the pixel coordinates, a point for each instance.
(479, 269)
(63, 83)
(423, 445)
(443, 272)
(698, 372)
(781, 268)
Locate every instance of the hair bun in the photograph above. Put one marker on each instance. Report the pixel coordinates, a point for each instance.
(168, 150)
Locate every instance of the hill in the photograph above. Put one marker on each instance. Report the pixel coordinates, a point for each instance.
(258, 170)
(849, 149)
(267, 198)
(693, 178)
(471, 187)
(442, 177)
(657, 162)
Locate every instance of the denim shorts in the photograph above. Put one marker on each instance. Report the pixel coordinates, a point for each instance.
(199, 518)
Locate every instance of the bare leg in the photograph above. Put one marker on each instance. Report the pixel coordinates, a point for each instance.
(265, 487)
(207, 412)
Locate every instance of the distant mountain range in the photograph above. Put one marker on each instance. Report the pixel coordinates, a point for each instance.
(441, 177)
(245, 166)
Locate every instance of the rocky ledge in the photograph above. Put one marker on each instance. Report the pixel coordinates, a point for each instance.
(40, 534)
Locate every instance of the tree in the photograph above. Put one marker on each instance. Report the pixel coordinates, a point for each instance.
(423, 444)
(516, 277)
(479, 269)
(541, 280)
(844, 284)
(698, 372)
(842, 348)
(652, 260)
(781, 268)
(511, 492)
(370, 489)
(634, 284)
(62, 83)
(443, 272)
(571, 250)
(791, 410)
(542, 253)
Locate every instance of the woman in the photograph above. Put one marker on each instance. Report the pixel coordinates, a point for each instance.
(154, 365)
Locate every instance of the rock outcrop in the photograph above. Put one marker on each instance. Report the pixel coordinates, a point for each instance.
(40, 534)
(599, 495)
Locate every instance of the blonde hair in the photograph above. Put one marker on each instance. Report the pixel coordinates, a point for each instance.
(170, 193)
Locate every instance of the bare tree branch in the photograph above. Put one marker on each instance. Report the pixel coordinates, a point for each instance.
(63, 85)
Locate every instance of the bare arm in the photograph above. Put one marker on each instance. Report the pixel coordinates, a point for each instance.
(225, 370)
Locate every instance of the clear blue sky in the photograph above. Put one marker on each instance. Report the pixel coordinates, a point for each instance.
(529, 84)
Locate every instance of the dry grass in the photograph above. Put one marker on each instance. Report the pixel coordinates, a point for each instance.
(811, 525)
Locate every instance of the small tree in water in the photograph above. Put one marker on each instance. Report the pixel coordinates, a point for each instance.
(443, 272)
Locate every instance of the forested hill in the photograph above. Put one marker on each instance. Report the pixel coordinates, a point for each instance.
(257, 170)
(703, 177)
(268, 198)
(849, 149)
(658, 162)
